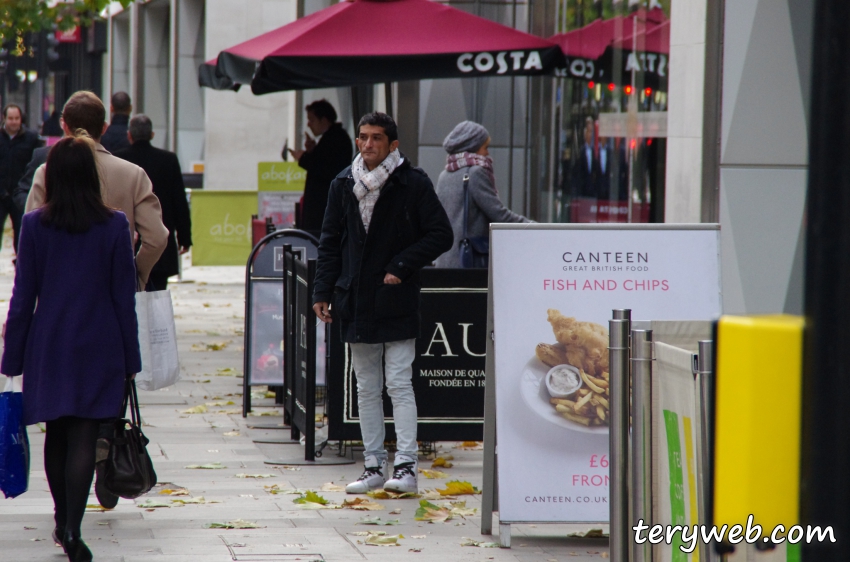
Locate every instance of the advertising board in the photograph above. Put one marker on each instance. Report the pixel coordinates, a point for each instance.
(554, 288)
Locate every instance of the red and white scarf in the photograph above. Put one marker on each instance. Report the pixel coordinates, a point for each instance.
(460, 160)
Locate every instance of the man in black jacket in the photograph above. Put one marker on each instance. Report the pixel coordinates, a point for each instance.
(115, 137)
(163, 169)
(17, 143)
(383, 224)
(323, 160)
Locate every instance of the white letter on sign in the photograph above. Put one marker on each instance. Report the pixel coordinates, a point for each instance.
(463, 62)
(517, 58)
(444, 340)
(484, 62)
(503, 64)
(466, 342)
(533, 61)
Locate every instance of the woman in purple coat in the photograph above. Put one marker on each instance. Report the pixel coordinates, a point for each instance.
(80, 343)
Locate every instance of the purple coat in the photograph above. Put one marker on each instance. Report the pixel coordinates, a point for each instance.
(76, 348)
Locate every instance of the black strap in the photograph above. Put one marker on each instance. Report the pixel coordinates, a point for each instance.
(131, 399)
(465, 204)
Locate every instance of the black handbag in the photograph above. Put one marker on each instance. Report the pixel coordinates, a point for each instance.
(129, 470)
(474, 250)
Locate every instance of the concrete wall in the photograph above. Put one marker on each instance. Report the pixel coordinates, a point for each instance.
(685, 111)
(190, 96)
(243, 129)
(764, 154)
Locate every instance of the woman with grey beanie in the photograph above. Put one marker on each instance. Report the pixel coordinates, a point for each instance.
(467, 146)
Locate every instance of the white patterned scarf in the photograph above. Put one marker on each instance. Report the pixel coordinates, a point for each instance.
(368, 184)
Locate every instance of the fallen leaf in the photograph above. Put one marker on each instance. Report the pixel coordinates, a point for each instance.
(267, 413)
(361, 504)
(377, 521)
(150, 504)
(199, 409)
(433, 495)
(311, 497)
(96, 507)
(458, 488)
(208, 466)
(220, 403)
(235, 524)
(227, 372)
(289, 468)
(603, 555)
(275, 489)
(419, 536)
(366, 533)
(383, 540)
(470, 446)
(199, 499)
(432, 473)
(30, 528)
(589, 534)
(230, 412)
(460, 509)
(432, 513)
(442, 462)
(395, 512)
(472, 542)
(174, 492)
(243, 475)
(331, 487)
(385, 495)
(414, 550)
(234, 433)
(36, 540)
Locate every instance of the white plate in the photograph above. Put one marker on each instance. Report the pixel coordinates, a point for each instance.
(533, 389)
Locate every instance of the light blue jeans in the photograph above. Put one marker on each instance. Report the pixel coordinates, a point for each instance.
(398, 371)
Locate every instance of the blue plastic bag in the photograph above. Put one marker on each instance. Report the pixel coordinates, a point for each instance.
(14, 443)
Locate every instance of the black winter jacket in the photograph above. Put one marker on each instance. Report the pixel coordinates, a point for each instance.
(330, 156)
(15, 154)
(115, 137)
(408, 230)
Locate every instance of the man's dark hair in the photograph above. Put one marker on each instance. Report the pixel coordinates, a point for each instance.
(323, 110)
(84, 110)
(16, 106)
(379, 119)
(141, 128)
(121, 103)
(72, 186)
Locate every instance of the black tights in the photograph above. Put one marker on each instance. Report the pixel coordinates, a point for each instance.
(69, 456)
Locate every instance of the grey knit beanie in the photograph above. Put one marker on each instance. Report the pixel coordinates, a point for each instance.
(467, 136)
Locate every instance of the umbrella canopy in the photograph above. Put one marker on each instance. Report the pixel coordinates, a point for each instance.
(372, 41)
(588, 50)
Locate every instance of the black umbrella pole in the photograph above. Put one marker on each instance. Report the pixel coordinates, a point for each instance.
(825, 448)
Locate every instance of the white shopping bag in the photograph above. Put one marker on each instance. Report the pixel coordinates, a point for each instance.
(157, 341)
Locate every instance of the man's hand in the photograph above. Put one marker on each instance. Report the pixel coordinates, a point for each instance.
(309, 142)
(184, 250)
(390, 279)
(296, 154)
(322, 311)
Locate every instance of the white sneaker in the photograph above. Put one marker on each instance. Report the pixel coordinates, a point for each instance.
(373, 477)
(405, 477)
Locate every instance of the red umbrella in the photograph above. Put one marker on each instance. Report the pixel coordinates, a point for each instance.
(588, 49)
(372, 41)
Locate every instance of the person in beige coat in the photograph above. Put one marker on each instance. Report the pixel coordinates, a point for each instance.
(124, 186)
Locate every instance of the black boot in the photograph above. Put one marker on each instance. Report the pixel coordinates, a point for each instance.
(58, 534)
(76, 549)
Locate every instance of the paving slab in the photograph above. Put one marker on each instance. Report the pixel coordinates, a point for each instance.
(209, 308)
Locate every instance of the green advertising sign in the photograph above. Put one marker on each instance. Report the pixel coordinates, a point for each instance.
(280, 176)
(221, 226)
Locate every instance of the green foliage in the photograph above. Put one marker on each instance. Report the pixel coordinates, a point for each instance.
(21, 17)
(581, 12)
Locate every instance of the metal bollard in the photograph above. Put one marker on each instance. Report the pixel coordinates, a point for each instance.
(705, 373)
(618, 435)
(641, 492)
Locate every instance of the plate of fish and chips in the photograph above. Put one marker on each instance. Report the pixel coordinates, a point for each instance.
(582, 348)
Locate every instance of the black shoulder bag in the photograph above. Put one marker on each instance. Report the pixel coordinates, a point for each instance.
(129, 470)
(475, 250)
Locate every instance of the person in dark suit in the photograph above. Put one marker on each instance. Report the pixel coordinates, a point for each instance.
(19, 196)
(72, 326)
(17, 143)
(115, 137)
(323, 160)
(585, 165)
(613, 170)
(163, 169)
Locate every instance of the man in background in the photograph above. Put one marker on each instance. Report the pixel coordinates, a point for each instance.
(323, 160)
(115, 137)
(163, 169)
(17, 143)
